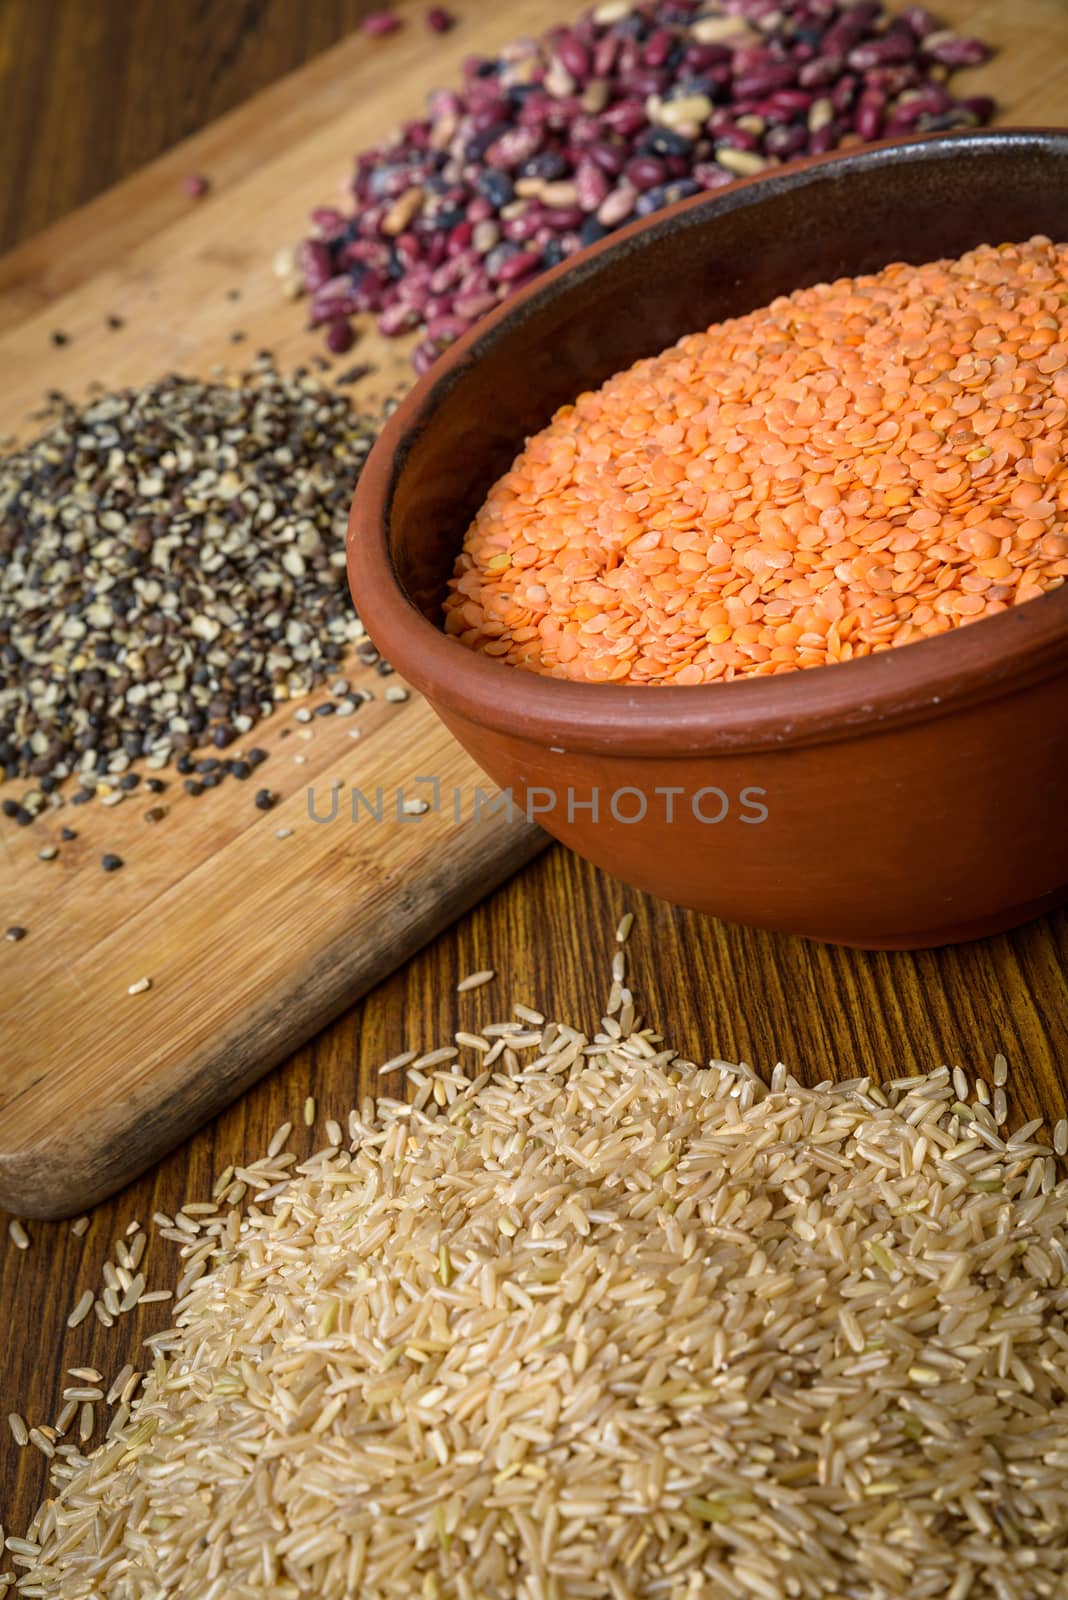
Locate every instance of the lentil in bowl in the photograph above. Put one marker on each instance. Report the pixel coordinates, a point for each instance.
(887, 785)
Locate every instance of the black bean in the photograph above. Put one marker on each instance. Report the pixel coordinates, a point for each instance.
(111, 862)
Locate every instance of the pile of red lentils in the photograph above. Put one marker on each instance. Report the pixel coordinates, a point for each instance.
(856, 466)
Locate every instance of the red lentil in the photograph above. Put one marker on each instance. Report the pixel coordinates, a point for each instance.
(859, 465)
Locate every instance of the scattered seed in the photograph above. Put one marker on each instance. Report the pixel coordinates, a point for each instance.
(396, 693)
(278, 1140)
(48, 852)
(475, 980)
(395, 1063)
(19, 1431)
(14, 934)
(195, 185)
(309, 1111)
(79, 1227)
(142, 986)
(111, 862)
(82, 1309)
(379, 23)
(206, 497)
(283, 833)
(19, 1237)
(66, 1416)
(266, 800)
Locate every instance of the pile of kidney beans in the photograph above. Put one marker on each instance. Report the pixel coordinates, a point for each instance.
(557, 141)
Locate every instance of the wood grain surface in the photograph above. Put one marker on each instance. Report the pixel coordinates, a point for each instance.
(714, 989)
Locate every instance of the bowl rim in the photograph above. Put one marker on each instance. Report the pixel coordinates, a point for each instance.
(841, 700)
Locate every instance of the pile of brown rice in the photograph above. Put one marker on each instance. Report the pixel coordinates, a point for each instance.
(599, 1323)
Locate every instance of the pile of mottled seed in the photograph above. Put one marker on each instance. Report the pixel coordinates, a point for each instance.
(859, 465)
(173, 566)
(591, 1321)
(556, 141)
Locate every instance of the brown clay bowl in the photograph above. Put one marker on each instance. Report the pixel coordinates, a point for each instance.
(913, 798)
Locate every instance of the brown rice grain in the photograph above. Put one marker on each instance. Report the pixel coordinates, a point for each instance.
(475, 980)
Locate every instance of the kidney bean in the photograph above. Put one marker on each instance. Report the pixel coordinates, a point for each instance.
(923, 103)
(514, 147)
(891, 81)
(711, 176)
(627, 117)
(645, 172)
(785, 141)
(892, 47)
(920, 20)
(583, 131)
(520, 229)
(593, 185)
(605, 55)
(699, 57)
(844, 93)
(789, 101)
(316, 264)
(460, 239)
(823, 140)
(737, 139)
(765, 80)
(618, 206)
(398, 319)
(447, 329)
(573, 57)
(424, 355)
(379, 23)
(981, 106)
(448, 275)
(328, 220)
(868, 118)
(821, 72)
(518, 266)
(560, 218)
(658, 47)
(472, 306)
(609, 157)
(951, 50)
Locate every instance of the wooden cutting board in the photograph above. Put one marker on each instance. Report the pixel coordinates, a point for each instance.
(252, 942)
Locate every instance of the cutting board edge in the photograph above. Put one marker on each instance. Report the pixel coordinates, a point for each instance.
(30, 1176)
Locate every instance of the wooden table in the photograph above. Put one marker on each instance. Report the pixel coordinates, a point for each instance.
(83, 103)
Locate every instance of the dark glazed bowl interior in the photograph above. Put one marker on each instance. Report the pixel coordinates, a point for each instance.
(706, 259)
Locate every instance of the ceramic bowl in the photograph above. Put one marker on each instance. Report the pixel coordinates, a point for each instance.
(912, 798)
